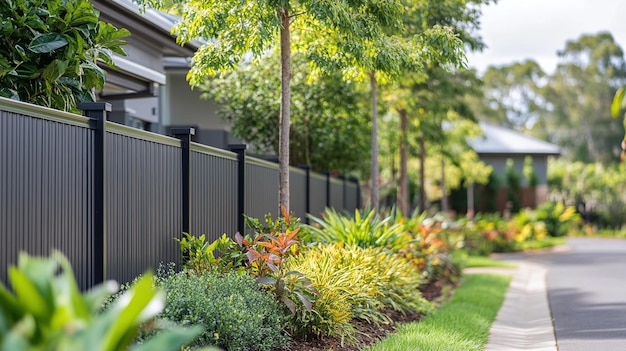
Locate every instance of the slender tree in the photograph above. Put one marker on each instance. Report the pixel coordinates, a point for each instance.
(232, 29)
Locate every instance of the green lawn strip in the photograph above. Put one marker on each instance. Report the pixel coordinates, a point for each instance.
(462, 323)
(541, 244)
(482, 261)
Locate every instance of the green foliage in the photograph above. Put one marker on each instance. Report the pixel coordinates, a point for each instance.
(48, 312)
(235, 314)
(364, 282)
(488, 233)
(529, 172)
(364, 230)
(433, 247)
(514, 184)
(558, 218)
(329, 128)
(273, 245)
(50, 51)
(222, 255)
(594, 188)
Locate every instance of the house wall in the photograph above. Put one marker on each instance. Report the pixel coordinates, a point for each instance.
(498, 162)
(182, 105)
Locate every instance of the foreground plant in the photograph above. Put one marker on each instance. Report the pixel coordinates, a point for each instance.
(48, 312)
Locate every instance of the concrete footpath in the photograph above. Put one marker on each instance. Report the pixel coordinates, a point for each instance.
(524, 321)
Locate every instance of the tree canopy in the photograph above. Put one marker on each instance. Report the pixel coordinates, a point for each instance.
(569, 107)
(329, 129)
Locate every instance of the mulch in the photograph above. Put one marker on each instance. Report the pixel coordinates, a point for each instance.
(368, 333)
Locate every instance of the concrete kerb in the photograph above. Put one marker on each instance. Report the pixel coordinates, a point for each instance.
(524, 321)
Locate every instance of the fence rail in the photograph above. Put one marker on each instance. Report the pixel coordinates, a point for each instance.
(112, 198)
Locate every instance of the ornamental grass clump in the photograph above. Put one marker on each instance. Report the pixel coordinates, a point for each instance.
(363, 230)
(357, 283)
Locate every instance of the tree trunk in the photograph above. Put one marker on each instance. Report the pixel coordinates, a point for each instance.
(422, 173)
(374, 170)
(470, 201)
(285, 96)
(403, 182)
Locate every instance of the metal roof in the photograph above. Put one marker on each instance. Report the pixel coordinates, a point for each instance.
(501, 140)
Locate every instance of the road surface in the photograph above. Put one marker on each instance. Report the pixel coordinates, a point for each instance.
(587, 294)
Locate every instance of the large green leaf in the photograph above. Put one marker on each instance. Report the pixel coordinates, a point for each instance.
(55, 70)
(46, 43)
(618, 100)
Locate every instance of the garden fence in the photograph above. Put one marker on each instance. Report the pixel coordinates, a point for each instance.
(112, 198)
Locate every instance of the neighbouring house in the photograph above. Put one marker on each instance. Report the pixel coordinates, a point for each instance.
(499, 144)
(149, 90)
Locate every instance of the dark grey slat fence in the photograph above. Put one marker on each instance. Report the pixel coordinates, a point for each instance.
(112, 198)
(45, 186)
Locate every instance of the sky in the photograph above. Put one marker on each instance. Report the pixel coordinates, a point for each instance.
(515, 30)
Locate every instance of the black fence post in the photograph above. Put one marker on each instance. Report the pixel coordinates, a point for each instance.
(240, 150)
(307, 192)
(97, 114)
(185, 134)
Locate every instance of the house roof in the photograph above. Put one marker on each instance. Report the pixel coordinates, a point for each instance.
(501, 140)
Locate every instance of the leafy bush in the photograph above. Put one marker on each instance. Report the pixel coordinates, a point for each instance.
(362, 282)
(489, 233)
(235, 313)
(48, 312)
(363, 230)
(262, 256)
(222, 255)
(433, 242)
(558, 218)
(50, 49)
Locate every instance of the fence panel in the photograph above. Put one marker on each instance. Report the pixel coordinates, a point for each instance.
(45, 187)
(297, 193)
(213, 192)
(261, 188)
(336, 194)
(318, 194)
(352, 196)
(143, 201)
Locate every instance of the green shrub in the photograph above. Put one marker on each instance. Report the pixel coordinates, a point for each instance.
(558, 218)
(50, 51)
(48, 312)
(431, 245)
(235, 314)
(358, 283)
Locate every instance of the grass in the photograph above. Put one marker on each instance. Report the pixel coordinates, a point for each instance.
(482, 261)
(541, 244)
(461, 324)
